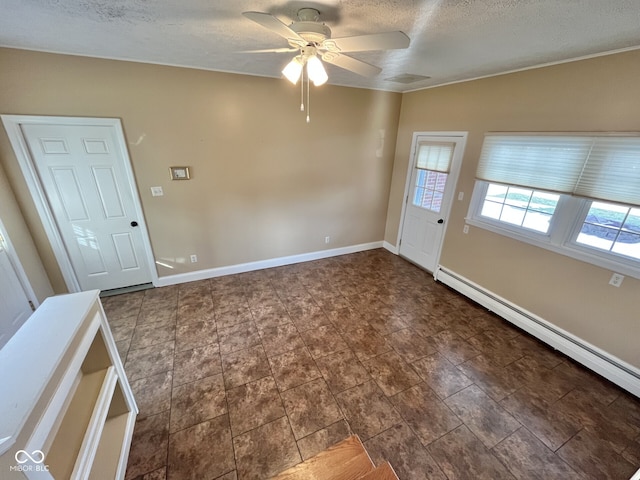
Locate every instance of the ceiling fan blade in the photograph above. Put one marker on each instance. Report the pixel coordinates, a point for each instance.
(351, 64)
(272, 23)
(362, 43)
(272, 50)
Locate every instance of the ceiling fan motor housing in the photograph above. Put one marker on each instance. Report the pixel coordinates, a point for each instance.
(312, 32)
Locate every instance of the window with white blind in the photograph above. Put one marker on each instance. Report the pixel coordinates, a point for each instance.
(578, 195)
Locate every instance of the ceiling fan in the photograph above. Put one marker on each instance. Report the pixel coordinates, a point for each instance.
(313, 41)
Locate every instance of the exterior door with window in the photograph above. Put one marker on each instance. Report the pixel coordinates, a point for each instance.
(435, 163)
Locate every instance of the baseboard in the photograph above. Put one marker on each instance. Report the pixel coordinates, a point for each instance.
(261, 264)
(392, 248)
(120, 291)
(612, 368)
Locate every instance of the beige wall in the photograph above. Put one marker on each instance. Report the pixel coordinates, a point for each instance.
(264, 183)
(21, 240)
(601, 94)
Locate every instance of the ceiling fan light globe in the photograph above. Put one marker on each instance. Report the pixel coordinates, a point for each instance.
(315, 70)
(293, 70)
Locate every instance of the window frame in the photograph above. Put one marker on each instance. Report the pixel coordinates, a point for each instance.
(564, 227)
(511, 227)
(572, 240)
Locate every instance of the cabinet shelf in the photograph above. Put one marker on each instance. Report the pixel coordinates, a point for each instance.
(83, 417)
(70, 444)
(108, 462)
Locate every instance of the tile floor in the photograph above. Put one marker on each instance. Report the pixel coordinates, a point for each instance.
(241, 377)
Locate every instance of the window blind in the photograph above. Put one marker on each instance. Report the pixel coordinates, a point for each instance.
(612, 171)
(435, 156)
(546, 162)
(598, 167)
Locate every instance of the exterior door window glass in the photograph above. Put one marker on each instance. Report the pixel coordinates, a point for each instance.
(429, 189)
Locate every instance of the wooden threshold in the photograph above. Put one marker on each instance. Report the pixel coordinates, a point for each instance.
(381, 472)
(347, 460)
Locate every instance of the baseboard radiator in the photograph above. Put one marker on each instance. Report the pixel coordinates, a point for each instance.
(617, 371)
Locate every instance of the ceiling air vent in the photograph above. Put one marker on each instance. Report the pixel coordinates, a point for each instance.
(407, 78)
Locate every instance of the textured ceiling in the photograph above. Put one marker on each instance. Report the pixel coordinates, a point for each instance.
(451, 40)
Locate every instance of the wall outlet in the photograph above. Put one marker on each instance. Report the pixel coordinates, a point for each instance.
(194, 258)
(465, 229)
(460, 197)
(327, 239)
(616, 280)
(156, 192)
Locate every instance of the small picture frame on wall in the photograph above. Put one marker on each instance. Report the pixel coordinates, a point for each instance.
(179, 173)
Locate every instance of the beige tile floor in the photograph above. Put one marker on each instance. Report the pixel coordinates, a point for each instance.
(241, 377)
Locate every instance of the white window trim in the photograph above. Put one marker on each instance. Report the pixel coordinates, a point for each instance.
(565, 223)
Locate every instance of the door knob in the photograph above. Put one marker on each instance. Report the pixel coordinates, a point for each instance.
(441, 220)
(134, 224)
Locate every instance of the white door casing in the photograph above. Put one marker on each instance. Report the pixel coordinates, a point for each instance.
(80, 177)
(17, 299)
(426, 210)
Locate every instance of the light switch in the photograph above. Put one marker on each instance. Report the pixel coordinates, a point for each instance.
(156, 192)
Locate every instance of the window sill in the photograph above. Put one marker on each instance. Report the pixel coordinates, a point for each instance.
(567, 250)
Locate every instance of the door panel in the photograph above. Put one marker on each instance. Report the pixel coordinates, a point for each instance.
(123, 244)
(411, 232)
(91, 253)
(92, 201)
(66, 185)
(108, 192)
(95, 146)
(434, 165)
(53, 145)
(429, 242)
(14, 303)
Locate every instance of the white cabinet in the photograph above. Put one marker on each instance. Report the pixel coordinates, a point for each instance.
(66, 407)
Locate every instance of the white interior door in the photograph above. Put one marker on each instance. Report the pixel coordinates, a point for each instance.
(92, 201)
(15, 307)
(434, 166)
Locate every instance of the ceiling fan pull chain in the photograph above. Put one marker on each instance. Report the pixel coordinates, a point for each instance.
(308, 102)
(302, 91)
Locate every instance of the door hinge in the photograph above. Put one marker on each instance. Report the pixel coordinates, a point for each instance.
(406, 199)
(33, 308)
(399, 243)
